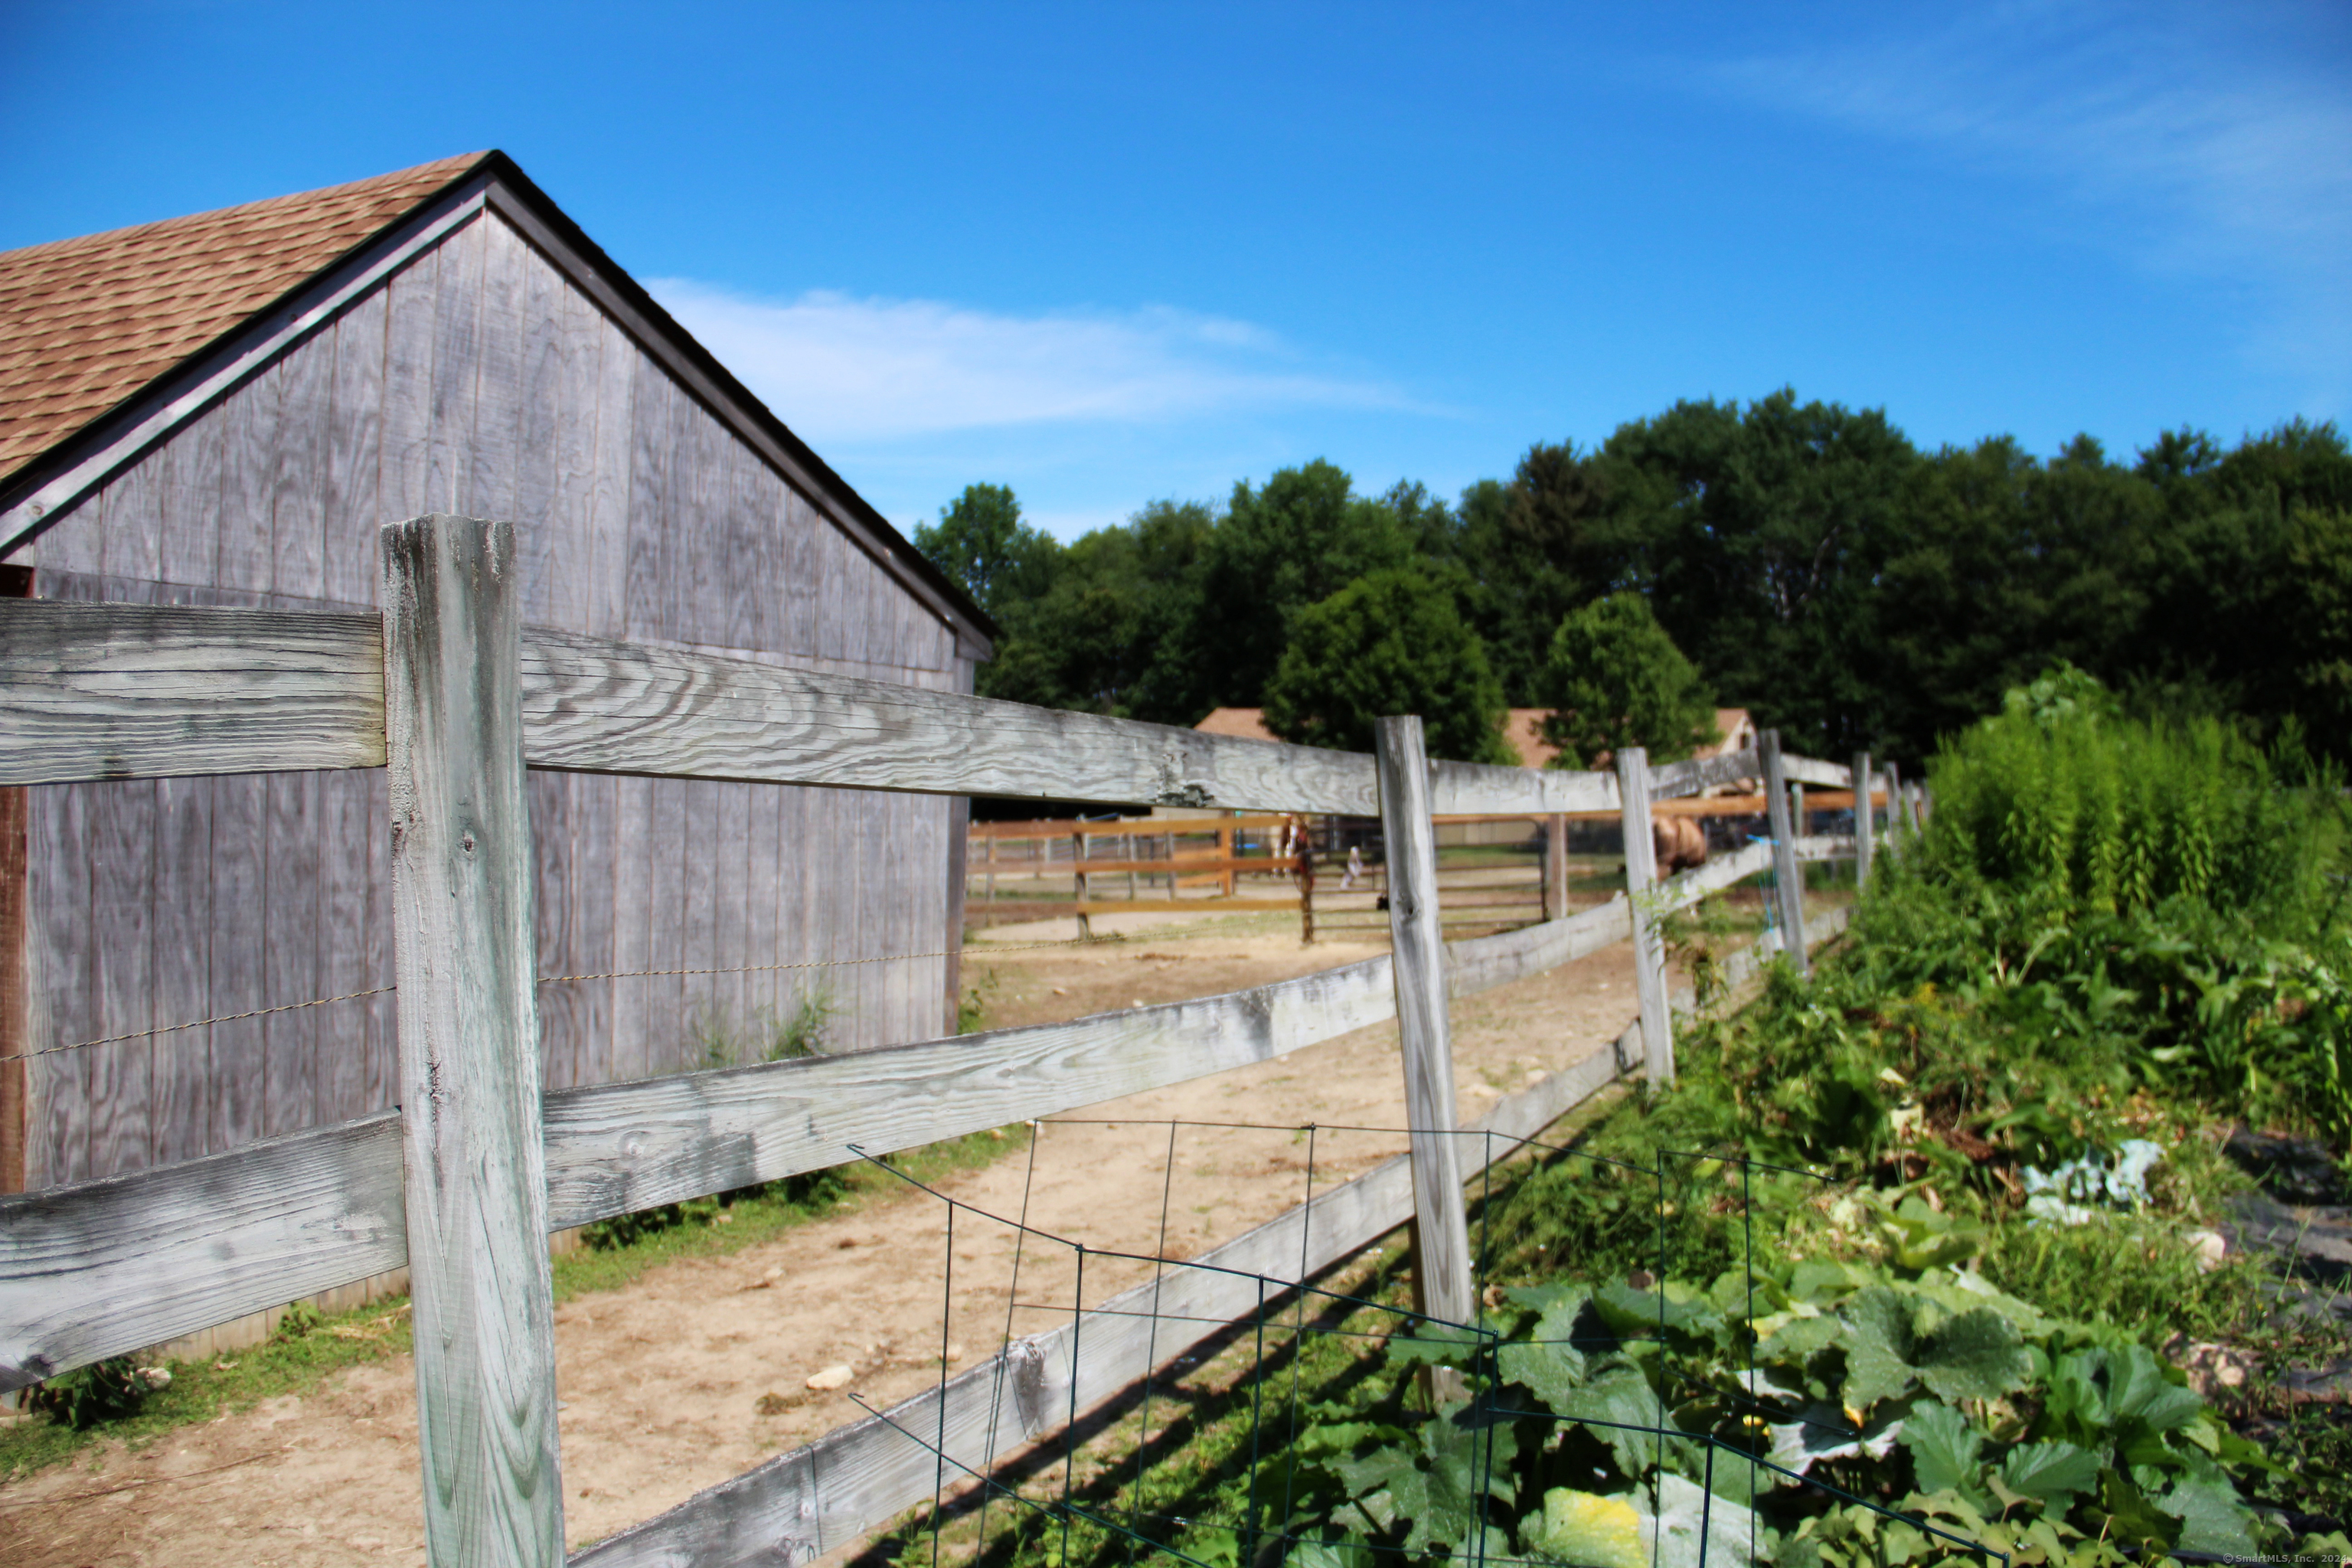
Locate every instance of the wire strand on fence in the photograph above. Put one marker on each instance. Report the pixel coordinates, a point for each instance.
(199, 1023)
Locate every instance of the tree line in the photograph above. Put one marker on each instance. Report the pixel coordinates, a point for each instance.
(1803, 560)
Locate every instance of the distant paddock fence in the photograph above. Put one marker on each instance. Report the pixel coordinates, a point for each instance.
(1513, 874)
(463, 1181)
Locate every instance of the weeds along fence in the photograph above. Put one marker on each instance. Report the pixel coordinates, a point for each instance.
(463, 1180)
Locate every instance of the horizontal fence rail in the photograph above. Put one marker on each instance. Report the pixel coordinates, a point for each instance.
(1699, 773)
(84, 695)
(1813, 771)
(1681, 892)
(106, 692)
(118, 691)
(1721, 872)
(100, 1268)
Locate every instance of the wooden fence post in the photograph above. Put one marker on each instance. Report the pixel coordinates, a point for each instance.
(1649, 941)
(1554, 868)
(1786, 873)
(1304, 872)
(959, 890)
(1865, 828)
(1440, 1272)
(464, 949)
(1893, 807)
(1078, 880)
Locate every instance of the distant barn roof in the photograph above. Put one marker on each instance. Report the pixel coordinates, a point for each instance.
(87, 324)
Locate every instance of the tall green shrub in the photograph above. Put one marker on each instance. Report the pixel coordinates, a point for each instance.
(2149, 899)
(2061, 796)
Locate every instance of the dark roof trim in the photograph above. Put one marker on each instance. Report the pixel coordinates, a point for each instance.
(54, 483)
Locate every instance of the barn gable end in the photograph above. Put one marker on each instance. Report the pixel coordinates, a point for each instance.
(494, 372)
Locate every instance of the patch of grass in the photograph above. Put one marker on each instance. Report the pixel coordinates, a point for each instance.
(721, 1225)
(2310, 1440)
(1469, 856)
(2134, 1276)
(293, 1362)
(309, 1347)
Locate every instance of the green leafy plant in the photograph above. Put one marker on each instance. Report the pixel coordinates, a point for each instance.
(971, 1008)
(2059, 797)
(298, 1320)
(1599, 1417)
(803, 1030)
(110, 1390)
(770, 1034)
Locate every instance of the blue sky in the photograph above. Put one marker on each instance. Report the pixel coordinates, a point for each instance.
(1111, 254)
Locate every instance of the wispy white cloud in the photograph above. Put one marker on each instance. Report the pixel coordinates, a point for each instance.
(857, 371)
(2195, 139)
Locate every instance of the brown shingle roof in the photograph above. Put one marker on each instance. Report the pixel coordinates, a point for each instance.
(87, 323)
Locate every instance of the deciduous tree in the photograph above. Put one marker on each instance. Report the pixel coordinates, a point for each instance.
(1615, 679)
(1391, 642)
(982, 541)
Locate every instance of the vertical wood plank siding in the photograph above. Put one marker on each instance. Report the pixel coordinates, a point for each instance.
(479, 379)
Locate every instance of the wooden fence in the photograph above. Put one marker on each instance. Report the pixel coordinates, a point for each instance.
(1191, 865)
(451, 694)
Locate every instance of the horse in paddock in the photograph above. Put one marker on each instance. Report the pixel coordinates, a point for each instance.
(1679, 842)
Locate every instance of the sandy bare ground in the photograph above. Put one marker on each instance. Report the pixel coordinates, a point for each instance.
(662, 1381)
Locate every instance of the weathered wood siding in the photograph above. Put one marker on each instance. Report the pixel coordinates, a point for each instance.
(477, 380)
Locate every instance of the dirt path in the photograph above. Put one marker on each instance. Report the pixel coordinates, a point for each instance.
(661, 1380)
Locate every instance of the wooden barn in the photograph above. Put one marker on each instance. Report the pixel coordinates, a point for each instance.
(221, 410)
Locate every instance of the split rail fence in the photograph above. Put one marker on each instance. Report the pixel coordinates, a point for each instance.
(464, 1180)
